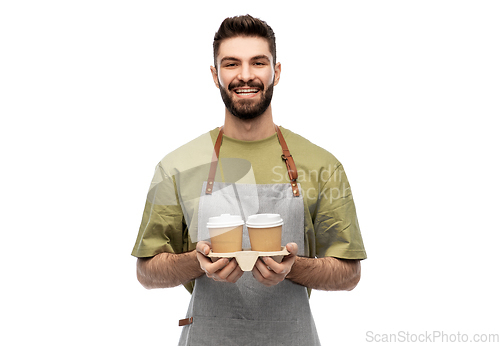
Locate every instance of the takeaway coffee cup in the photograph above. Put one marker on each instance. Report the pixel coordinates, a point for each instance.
(226, 232)
(264, 231)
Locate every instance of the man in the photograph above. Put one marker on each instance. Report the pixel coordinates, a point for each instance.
(243, 168)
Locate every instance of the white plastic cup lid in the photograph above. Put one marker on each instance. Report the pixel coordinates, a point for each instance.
(264, 220)
(225, 220)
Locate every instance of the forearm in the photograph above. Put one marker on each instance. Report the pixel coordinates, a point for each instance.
(327, 273)
(168, 270)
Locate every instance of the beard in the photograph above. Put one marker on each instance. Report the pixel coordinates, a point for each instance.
(247, 109)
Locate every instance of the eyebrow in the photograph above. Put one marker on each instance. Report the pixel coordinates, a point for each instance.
(257, 57)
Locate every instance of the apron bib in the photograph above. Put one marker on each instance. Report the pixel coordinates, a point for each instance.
(247, 312)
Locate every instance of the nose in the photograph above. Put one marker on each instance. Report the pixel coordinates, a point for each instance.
(246, 73)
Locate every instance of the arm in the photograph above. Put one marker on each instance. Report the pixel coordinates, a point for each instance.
(327, 273)
(330, 274)
(170, 270)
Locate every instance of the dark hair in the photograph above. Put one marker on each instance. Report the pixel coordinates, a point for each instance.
(244, 26)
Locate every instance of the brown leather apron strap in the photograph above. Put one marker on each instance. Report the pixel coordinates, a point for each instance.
(185, 321)
(213, 165)
(290, 164)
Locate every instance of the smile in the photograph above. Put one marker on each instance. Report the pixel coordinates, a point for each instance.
(246, 91)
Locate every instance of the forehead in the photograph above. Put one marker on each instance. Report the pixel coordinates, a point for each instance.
(244, 48)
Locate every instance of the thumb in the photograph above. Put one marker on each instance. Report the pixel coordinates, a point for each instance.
(293, 248)
(203, 247)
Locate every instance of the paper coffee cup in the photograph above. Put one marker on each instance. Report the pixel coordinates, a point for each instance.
(226, 233)
(264, 231)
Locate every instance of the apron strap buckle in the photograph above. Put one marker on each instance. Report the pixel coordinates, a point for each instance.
(290, 164)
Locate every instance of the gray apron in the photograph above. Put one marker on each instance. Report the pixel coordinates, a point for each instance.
(247, 312)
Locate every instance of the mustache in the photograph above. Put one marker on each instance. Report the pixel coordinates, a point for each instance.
(251, 84)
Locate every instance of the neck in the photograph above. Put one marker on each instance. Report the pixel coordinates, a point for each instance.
(249, 130)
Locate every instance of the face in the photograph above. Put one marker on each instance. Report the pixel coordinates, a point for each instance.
(246, 75)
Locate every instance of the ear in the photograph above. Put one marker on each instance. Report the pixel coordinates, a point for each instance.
(277, 73)
(214, 76)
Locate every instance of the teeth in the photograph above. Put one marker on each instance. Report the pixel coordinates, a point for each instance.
(246, 91)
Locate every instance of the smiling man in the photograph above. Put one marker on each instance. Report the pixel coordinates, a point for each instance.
(250, 170)
(246, 81)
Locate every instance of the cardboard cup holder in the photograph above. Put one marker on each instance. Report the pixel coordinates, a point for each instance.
(246, 259)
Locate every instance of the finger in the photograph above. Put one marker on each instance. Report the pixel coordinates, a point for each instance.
(201, 258)
(288, 260)
(262, 274)
(208, 266)
(274, 266)
(203, 247)
(225, 273)
(204, 261)
(293, 248)
(228, 269)
(212, 268)
(235, 275)
(256, 274)
(265, 272)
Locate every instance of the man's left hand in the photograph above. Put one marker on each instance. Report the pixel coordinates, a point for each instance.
(269, 272)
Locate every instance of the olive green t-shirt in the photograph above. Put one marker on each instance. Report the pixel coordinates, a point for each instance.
(170, 216)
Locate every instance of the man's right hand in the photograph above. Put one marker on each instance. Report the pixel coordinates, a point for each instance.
(221, 270)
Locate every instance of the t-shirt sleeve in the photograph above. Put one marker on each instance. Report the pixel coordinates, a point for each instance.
(163, 228)
(336, 224)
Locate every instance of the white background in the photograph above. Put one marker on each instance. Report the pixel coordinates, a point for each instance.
(94, 93)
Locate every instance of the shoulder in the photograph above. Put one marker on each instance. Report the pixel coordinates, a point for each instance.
(306, 153)
(192, 154)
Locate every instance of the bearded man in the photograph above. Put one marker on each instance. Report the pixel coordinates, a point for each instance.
(244, 168)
